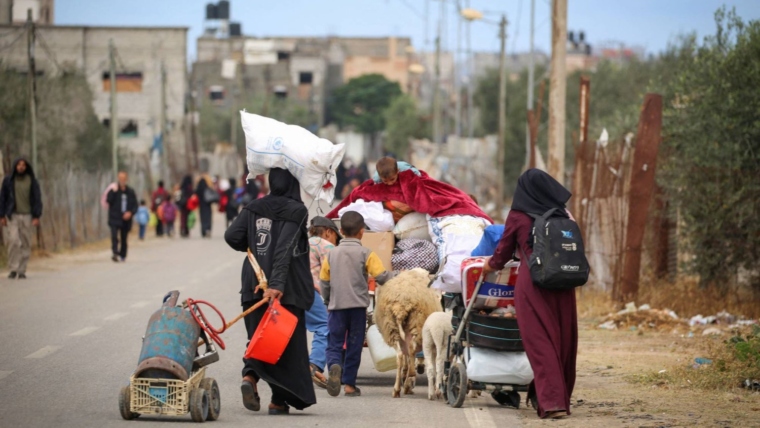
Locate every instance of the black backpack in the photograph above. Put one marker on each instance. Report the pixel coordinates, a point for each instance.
(559, 260)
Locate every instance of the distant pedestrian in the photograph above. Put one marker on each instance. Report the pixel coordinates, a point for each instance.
(20, 210)
(158, 197)
(185, 193)
(323, 237)
(344, 282)
(207, 195)
(122, 205)
(143, 217)
(169, 210)
(232, 207)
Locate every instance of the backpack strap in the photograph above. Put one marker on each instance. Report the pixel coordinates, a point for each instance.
(545, 216)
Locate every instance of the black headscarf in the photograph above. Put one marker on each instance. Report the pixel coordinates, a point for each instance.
(283, 201)
(537, 192)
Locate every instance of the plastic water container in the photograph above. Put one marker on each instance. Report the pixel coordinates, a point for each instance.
(383, 356)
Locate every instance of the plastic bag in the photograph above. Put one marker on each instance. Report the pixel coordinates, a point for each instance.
(489, 366)
(312, 160)
(377, 218)
(153, 220)
(191, 218)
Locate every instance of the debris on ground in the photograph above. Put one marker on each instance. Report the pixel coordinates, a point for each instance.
(751, 384)
(645, 318)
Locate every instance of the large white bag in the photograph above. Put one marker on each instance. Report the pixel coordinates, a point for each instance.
(489, 366)
(413, 225)
(312, 160)
(455, 236)
(377, 218)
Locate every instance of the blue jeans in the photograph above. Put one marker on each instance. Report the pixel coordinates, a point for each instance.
(316, 322)
(142, 231)
(354, 322)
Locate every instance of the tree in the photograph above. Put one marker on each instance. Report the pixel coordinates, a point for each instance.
(712, 148)
(403, 121)
(360, 103)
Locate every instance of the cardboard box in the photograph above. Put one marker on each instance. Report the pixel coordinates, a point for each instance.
(382, 244)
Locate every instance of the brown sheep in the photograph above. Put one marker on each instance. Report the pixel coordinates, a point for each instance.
(403, 305)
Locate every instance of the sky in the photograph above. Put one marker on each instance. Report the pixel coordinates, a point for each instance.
(649, 24)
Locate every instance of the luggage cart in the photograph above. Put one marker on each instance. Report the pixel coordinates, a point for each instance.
(475, 331)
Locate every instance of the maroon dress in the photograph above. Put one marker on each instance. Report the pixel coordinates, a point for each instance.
(548, 321)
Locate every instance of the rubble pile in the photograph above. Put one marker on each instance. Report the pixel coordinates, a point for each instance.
(646, 318)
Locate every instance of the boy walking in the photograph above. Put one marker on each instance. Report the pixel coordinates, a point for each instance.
(343, 278)
(143, 218)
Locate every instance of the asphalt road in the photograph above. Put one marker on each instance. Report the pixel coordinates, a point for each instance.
(71, 336)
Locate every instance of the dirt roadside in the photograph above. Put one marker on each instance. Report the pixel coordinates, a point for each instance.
(605, 396)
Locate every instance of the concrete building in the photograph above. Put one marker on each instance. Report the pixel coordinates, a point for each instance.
(304, 69)
(15, 11)
(141, 53)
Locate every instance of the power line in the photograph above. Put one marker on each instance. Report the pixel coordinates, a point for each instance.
(517, 27)
(49, 54)
(413, 9)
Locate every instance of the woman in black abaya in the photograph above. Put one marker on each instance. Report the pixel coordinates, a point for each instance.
(274, 228)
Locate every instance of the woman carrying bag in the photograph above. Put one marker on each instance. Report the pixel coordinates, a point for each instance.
(548, 317)
(274, 228)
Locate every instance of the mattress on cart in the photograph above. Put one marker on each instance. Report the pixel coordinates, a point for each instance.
(489, 366)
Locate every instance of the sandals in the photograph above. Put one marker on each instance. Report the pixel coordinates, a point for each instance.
(333, 380)
(251, 399)
(315, 378)
(555, 414)
(279, 410)
(357, 393)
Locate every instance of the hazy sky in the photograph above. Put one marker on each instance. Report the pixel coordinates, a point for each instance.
(646, 23)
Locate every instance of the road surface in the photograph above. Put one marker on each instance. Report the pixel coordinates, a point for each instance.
(71, 336)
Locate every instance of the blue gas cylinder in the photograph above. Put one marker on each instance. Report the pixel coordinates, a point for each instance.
(170, 343)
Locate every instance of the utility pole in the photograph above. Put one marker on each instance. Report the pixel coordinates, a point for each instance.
(502, 114)
(32, 85)
(436, 92)
(557, 91)
(470, 77)
(114, 120)
(531, 84)
(164, 139)
(457, 74)
(233, 109)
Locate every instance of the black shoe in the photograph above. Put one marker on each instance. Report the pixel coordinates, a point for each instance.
(115, 258)
(12, 275)
(251, 400)
(333, 380)
(22, 276)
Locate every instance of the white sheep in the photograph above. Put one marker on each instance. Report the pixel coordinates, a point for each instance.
(403, 305)
(435, 337)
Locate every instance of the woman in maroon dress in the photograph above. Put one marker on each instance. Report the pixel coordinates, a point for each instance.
(548, 318)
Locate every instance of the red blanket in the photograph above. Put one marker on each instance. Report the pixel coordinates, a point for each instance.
(422, 193)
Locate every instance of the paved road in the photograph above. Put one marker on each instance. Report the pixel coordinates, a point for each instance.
(71, 335)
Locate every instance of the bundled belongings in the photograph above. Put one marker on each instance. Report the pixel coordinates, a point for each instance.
(489, 366)
(376, 218)
(421, 193)
(455, 236)
(489, 242)
(312, 160)
(413, 225)
(415, 253)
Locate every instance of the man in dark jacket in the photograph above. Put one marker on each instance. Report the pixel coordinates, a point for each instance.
(122, 205)
(20, 209)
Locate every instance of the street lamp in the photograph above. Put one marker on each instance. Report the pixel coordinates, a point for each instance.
(475, 15)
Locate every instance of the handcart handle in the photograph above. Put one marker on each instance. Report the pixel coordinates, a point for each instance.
(470, 305)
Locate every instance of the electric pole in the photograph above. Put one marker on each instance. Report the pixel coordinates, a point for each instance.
(32, 86)
(457, 74)
(114, 120)
(164, 142)
(502, 114)
(531, 83)
(436, 95)
(557, 91)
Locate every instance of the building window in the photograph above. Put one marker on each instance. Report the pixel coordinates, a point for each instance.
(125, 82)
(216, 94)
(305, 78)
(127, 127)
(280, 92)
(283, 56)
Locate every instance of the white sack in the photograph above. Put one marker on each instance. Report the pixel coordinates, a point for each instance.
(489, 366)
(377, 218)
(272, 144)
(412, 225)
(455, 236)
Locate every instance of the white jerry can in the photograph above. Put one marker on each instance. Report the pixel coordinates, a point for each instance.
(383, 356)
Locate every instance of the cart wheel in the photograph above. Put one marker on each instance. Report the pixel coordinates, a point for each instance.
(215, 400)
(124, 401)
(199, 404)
(457, 385)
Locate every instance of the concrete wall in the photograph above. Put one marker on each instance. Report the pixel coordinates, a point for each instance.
(139, 50)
